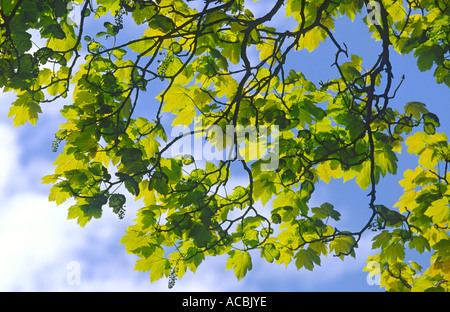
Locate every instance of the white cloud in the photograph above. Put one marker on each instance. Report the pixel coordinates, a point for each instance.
(33, 235)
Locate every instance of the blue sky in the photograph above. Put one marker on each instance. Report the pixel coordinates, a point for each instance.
(38, 243)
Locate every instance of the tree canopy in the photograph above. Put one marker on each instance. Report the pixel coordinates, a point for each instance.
(220, 72)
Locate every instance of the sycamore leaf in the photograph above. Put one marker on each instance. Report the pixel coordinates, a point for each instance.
(67, 42)
(263, 190)
(311, 39)
(391, 217)
(326, 210)
(232, 52)
(82, 214)
(343, 245)
(420, 243)
(185, 117)
(270, 252)
(240, 262)
(155, 263)
(53, 30)
(424, 283)
(439, 210)
(431, 122)
(176, 98)
(415, 109)
(58, 194)
(429, 55)
(415, 266)
(307, 258)
(24, 111)
(110, 5)
(381, 240)
(326, 171)
(134, 239)
(443, 250)
(394, 252)
(320, 247)
(200, 235)
(416, 143)
(363, 179)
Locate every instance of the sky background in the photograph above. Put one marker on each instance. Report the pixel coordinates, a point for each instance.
(39, 245)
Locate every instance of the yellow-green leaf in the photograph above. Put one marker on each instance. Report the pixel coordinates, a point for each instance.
(439, 210)
(240, 262)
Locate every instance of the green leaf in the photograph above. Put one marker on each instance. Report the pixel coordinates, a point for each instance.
(148, 219)
(200, 235)
(172, 169)
(439, 210)
(130, 155)
(307, 258)
(431, 122)
(232, 52)
(23, 111)
(270, 252)
(391, 217)
(364, 176)
(90, 210)
(343, 245)
(151, 146)
(415, 266)
(110, 5)
(83, 215)
(394, 252)
(134, 239)
(119, 53)
(185, 117)
(386, 162)
(143, 12)
(22, 41)
(306, 190)
(381, 240)
(328, 170)
(424, 283)
(58, 193)
(53, 30)
(443, 248)
(426, 56)
(155, 263)
(420, 243)
(320, 247)
(162, 23)
(69, 42)
(326, 210)
(240, 262)
(416, 143)
(132, 186)
(264, 190)
(415, 109)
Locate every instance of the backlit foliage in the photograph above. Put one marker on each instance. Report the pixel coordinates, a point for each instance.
(222, 62)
